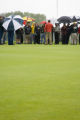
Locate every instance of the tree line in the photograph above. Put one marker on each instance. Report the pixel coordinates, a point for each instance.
(38, 17)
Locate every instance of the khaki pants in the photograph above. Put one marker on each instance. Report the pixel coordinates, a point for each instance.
(48, 37)
(17, 41)
(74, 38)
(27, 39)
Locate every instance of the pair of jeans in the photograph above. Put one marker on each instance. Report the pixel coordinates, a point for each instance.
(42, 35)
(33, 38)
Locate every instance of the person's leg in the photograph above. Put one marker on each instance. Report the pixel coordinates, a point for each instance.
(30, 41)
(72, 42)
(26, 39)
(41, 36)
(1, 34)
(67, 38)
(12, 37)
(8, 38)
(46, 42)
(63, 39)
(4, 38)
(35, 39)
(50, 38)
(38, 38)
(75, 40)
(21, 38)
(55, 37)
(44, 38)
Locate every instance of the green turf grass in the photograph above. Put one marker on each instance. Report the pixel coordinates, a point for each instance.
(40, 82)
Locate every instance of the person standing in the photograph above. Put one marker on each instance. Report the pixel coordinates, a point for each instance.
(63, 33)
(37, 31)
(68, 32)
(10, 34)
(48, 29)
(33, 33)
(42, 34)
(19, 36)
(57, 33)
(22, 32)
(27, 33)
(74, 34)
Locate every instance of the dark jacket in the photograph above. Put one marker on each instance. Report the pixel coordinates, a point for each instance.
(42, 29)
(19, 32)
(37, 29)
(27, 29)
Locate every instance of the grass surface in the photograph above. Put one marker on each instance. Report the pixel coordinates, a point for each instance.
(39, 82)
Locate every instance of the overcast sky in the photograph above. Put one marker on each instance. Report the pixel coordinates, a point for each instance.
(47, 7)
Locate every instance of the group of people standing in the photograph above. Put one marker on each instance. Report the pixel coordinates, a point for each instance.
(42, 34)
(36, 34)
(70, 32)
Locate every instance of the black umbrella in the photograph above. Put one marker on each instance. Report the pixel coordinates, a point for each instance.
(64, 19)
(75, 18)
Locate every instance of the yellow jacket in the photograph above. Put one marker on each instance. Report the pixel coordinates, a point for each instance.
(33, 28)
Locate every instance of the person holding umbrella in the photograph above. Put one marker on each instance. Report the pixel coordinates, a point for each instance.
(11, 24)
(10, 34)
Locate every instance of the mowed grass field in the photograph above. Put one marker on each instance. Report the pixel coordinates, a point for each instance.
(40, 82)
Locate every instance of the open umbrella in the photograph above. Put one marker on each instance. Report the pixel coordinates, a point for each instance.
(13, 22)
(28, 19)
(43, 22)
(75, 18)
(64, 19)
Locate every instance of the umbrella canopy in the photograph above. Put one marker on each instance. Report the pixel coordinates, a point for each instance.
(28, 19)
(75, 18)
(13, 22)
(1, 20)
(43, 22)
(64, 19)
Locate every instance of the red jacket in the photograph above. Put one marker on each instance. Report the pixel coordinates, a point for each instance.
(48, 27)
